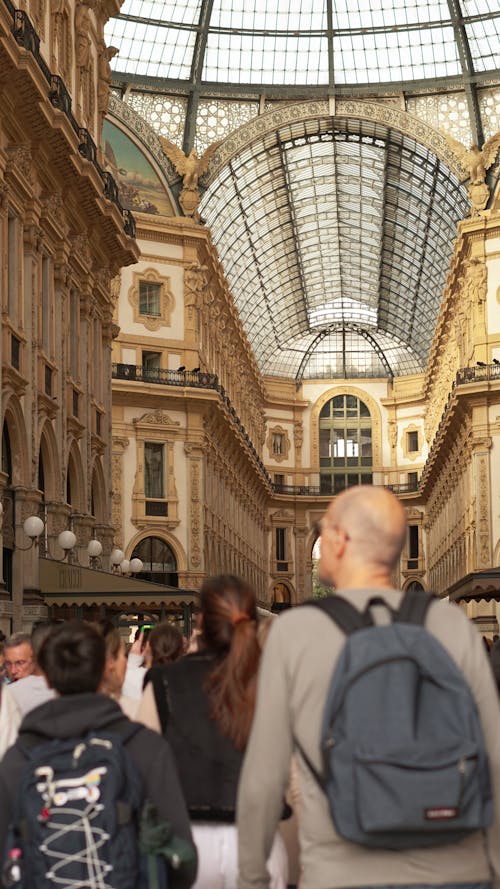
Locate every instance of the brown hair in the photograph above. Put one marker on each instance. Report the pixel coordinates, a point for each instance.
(166, 644)
(229, 612)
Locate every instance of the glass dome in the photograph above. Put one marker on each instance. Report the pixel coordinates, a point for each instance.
(335, 233)
(248, 43)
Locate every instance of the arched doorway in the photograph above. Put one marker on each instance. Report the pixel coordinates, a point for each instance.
(345, 444)
(158, 558)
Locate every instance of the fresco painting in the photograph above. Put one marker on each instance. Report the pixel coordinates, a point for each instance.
(140, 188)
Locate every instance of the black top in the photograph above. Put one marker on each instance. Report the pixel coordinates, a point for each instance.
(71, 716)
(208, 762)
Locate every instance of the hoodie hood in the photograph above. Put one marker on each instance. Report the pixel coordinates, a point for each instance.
(71, 716)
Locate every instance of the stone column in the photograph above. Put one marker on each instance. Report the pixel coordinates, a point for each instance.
(482, 477)
(194, 454)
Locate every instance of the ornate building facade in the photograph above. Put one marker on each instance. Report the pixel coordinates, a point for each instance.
(310, 301)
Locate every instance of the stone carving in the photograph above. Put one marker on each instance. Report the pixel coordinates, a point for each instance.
(115, 286)
(104, 78)
(195, 515)
(190, 167)
(195, 283)
(475, 281)
(393, 433)
(157, 418)
(82, 31)
(20, 159)
(477, 162)
(81, 249)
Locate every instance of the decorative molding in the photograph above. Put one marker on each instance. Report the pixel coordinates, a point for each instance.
(155, 418)
(411, 455)
(272, 121)
(284, 454)
(167, 301)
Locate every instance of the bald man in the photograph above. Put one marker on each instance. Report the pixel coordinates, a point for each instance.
(362, 536)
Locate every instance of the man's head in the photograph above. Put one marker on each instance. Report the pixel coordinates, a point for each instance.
(73, 657)
(363, 532)
(19, 661)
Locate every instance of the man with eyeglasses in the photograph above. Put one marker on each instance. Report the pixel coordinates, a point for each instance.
(28, 685)
(19, 661)
(363, 533)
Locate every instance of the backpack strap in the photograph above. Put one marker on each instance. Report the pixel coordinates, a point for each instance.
(157, 676)
(345, 615)
(414, 606)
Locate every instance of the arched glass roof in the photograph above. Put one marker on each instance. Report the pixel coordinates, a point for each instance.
(336, 237)
(335, 234)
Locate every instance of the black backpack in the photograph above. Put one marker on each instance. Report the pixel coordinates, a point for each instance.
(404, 759)
(77, 816)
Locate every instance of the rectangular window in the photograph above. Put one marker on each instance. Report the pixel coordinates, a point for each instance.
(15, 352)
(153, 470)
(74, 333)
(413, 546)
(413, 481)
(13, 267)
(46, 305)
(412, 442)
(48, 380)
(149, 298)
(280, 544)
(151, 365)
(279, 479)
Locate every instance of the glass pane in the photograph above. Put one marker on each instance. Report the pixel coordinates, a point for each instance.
(325, 447)
(153, 471)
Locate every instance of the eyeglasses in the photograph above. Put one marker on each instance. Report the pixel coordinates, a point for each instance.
(18, 664)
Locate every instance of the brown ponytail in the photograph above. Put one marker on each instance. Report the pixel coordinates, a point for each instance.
(229, 612)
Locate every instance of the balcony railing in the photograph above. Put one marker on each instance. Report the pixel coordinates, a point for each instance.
(198, 379)
(202, 380)
(26, 36)
(478, 374)
(318, 491)
(190, 378)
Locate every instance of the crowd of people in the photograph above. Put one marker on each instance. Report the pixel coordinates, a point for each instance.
(208, 764)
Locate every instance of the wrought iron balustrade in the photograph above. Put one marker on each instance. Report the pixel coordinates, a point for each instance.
(26, 36)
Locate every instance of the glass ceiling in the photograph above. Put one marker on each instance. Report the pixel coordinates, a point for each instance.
(304, 42)
(335, 237)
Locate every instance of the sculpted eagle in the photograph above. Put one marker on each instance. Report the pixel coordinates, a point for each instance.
(474, 160)
(190, 166)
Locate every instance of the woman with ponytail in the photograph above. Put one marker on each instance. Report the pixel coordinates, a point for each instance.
(203, 704)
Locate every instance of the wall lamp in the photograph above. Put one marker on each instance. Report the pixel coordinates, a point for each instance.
(121, 565)
(33, 527)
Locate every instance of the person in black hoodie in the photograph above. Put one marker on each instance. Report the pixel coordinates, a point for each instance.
(72, 658)
(204, 704)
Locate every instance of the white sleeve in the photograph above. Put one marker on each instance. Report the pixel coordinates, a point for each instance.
(10, 720)
(134, 677)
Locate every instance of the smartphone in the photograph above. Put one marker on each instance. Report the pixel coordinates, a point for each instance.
(146, 627)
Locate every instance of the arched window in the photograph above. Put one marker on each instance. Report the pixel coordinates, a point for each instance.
(160, 564)
(345, 444)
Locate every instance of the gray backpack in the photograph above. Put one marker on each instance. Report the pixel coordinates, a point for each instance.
(404, 759)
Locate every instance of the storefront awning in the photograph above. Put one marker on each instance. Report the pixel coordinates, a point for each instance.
(63, 584)
(477, 585)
